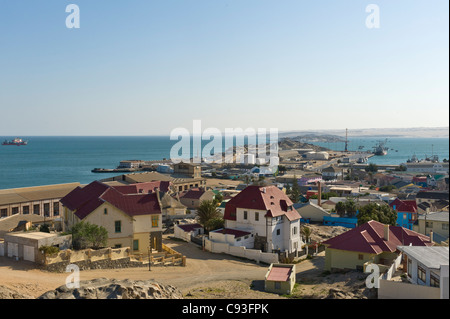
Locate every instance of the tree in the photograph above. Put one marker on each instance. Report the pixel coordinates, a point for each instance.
(295, 191)
(218, 198)
(373, 168)
(306, 233)
(351, 207)
(87, 235)
(382, 213)
(215, 223)
(340, 209)
(206, 212)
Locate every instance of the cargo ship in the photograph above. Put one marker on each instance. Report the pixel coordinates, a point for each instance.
(381, 149)
(17, 141)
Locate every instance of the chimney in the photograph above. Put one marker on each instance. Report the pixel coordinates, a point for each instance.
(386, 232)
(431, 236)
(319, 195)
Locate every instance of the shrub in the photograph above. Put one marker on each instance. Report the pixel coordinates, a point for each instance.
(49, 250)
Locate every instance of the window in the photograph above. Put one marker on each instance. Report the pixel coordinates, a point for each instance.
(238, 239)
(47, 209)
(118, 226)
(105, 211)
(421, 273)
(15, 210)
(118, 246)
(409, 268)
(4, 212)
(434, 280)
(245, 215)
(56, 209)
(360, 257)
(136, 244)
(36, 209)
(155, 220)
(277, 285)
(444, 226)
(256, 216)
(429, 224)
(278, 232)
(25, 210)
(294, 231)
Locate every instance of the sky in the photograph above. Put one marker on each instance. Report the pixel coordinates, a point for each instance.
(147, 67)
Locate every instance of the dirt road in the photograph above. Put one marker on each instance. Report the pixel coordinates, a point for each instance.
(204, 271)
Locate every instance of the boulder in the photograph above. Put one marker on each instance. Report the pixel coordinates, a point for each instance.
(115, 289)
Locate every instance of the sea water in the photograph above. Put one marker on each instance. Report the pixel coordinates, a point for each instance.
(55, 160)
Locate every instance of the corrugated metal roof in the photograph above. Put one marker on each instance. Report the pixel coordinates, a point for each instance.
(28, 194)
(431, 257)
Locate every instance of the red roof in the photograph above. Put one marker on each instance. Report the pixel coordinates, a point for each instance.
(85, 200)
(235, 232)
(409, 206)
(369, 238)
(144, 188)
(279, 273)
(193, 193)
(266, 198)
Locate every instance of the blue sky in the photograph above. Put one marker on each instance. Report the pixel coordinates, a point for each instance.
(145, 67)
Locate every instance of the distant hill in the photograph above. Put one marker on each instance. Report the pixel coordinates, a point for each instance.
(292, 143)
(425, 132)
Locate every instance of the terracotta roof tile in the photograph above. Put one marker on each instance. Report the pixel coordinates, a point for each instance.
(369, 238)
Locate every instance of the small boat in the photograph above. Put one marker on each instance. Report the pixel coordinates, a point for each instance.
(17, 141)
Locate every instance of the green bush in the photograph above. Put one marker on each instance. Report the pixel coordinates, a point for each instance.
(49, 250)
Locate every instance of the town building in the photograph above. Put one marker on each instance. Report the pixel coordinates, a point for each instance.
(38, 200)
(436, 223)
(372, 242)
(195, 196)
(26, 245)
(428, 266)
(189, 170)
(332, 173)
(427, 167)
(280, 279)
(131, 214)
(311, 212)
(179, 184)
(407, 212)
(431, 196)
(268, 213)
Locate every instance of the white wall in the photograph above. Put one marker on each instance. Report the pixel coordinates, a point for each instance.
(243, 252)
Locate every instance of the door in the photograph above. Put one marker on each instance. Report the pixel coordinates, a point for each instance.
(28, 253)
(13, 250)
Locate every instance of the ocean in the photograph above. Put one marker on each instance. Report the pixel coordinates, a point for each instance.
(55, 160)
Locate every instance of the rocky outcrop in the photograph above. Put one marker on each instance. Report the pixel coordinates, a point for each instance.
(7, 293)
(115, 289)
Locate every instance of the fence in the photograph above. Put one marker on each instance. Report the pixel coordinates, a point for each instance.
(91, 255)
(340, 221)
(240, 251)
(400, 290)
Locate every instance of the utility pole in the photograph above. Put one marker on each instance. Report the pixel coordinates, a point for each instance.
(346, 139)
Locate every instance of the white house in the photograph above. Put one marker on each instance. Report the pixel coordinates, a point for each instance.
(428, 266)
(268, 214)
